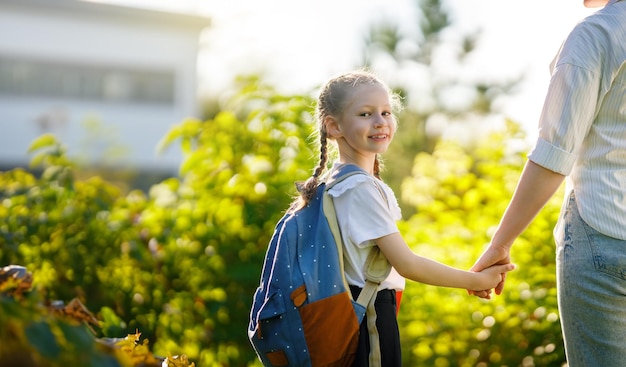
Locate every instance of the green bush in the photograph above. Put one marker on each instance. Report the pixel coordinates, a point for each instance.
(459, 196)
(180, 262)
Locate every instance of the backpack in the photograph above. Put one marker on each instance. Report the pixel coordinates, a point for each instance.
(303, 313)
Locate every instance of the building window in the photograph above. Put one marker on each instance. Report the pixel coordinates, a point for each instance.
(31, 78)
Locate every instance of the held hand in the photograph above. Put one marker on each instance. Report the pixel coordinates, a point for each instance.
(492, 277)
(493, 255)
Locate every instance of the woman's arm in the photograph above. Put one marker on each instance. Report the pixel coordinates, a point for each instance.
(535, 187)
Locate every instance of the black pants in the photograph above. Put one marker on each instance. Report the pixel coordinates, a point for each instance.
(387, 326)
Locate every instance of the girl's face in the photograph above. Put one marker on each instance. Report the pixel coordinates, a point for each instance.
(366, 126)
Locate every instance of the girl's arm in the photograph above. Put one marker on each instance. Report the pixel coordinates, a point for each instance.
(427, 271)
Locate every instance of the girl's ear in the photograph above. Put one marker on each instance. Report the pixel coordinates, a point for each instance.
(332, 127)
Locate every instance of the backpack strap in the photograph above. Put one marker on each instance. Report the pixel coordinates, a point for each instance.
(377, 267)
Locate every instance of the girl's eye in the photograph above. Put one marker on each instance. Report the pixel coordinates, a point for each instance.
(368, 114)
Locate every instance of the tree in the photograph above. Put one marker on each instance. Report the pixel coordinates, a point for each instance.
(427, 67)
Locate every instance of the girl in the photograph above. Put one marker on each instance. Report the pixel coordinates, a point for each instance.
(355, 110)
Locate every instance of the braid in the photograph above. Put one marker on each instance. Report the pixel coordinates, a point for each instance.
(309, 187)
(323, 154)
(377, 167)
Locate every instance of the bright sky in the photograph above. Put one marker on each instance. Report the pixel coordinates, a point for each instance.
(300, 44)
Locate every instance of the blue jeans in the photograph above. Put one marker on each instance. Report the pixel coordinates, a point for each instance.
(591, 277)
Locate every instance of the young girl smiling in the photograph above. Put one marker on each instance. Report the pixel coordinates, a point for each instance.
(356, 112)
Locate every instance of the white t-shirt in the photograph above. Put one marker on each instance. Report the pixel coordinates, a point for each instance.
(363, 215)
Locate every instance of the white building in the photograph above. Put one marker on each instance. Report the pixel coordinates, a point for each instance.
(109, 81)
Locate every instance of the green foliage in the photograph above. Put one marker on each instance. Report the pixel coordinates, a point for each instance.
(459, 196)
(181, 261)
(31, 336)
(54, 223)
(36, 334)
(210, 230)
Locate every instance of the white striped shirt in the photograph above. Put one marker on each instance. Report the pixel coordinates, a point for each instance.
(582, 128)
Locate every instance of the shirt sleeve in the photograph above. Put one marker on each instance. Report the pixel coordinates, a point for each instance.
(567, 116)
(370, 216)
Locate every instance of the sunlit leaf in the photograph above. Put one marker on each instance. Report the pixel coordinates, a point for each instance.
(45, 140)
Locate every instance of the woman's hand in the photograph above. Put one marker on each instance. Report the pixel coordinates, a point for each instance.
(489, 278)
(494, 255)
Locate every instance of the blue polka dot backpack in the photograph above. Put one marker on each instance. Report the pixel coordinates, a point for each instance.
(303, 313)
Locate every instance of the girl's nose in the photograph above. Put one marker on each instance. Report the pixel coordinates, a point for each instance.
(380, 122)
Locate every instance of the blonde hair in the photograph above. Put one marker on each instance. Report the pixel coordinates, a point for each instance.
(331, 102)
